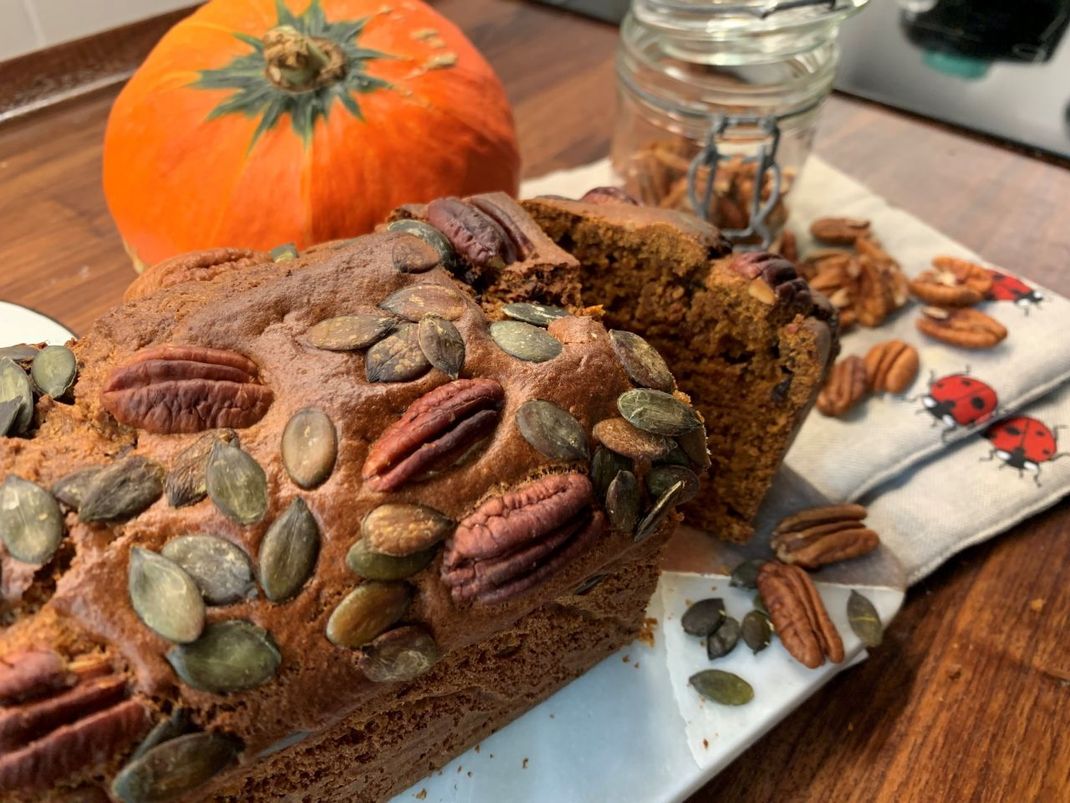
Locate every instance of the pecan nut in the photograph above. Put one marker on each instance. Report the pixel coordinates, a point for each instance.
(31, 673)
(891, 366)
(435, 432)
(197, 266)
(23, 724)
(799, 615)
(608, 195)
(845, 387)
(513, 542)
(823, 535)
(839, 230)
(773, 280)
(473, 234)
(504, 211)
(966, 328)
(180, 389)
(952, 283)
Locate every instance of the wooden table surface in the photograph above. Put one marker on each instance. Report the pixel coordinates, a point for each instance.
(969, 696)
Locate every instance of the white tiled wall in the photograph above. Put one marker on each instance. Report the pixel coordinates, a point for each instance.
(27, 25)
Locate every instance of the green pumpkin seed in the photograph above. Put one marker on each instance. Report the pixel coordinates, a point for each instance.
(641, 361)
(398, 358)
(9, 413)
(864, 619)
(430, 235)
(722, 687)
(175, 768)
(31, 525)
(165, 597)
(186, 483)
(413, 255)
(622, 502)
(418, 300)
(657, 412)
(178, 724)
(367, 611)
(757, 630)
(15, 386)
(309, 447)
(399, 655)
(442, 345)
(283, 253)
(623, 438)
(661, 478)
(71, 490)
(704, 617)
(122, 490)
(723, 640)
(552, 431)
(745, 575)
(524, 341)
(656, 516)
(693, 444)
(54, 370)
(350, 332)
(535, 314)
(371, 565)
(400, 530)
(288, 552)
(233, 655)
(604, 468)
(23, 352)
(220, 569)
(236, 483)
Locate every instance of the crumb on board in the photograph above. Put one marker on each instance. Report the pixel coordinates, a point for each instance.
(626, 658)
(1036, 605)
(954, 671)
(705, 744)
(524, 765)
(421, 795)
(646, 631)
(477, 748)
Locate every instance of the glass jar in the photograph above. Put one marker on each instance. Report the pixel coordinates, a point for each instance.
(720, 97)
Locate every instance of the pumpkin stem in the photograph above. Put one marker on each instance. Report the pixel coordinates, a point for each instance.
(297, 62)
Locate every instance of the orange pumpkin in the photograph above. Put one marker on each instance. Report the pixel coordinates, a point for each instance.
(256, 122)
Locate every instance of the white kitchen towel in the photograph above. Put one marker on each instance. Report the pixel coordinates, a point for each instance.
(914, 459)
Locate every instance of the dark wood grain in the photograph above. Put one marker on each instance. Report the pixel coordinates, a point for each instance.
(969, 698)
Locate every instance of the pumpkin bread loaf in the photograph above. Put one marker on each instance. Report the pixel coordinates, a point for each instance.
(303, 527)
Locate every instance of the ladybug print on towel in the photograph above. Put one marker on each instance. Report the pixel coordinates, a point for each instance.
(1010, 288)
(959, 400)
(1023, 443)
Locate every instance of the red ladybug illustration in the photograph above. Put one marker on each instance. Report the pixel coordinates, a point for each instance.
(1010, 288)
(959, 400)
(1023, 443)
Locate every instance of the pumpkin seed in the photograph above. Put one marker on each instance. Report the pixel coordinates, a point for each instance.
(418, 300)
(413, 255)
(524, 341)
(745, 575)
(723, 640)
(623, 438)
(236, 483)
(589, 584)
(309, 447)
(15, 386)
(704, 617)
(641, 361)
(54, 370)
(622, 502)
(9, 412)
(31, 525)
(401, 655)
(220, 569)
(165, 730)
(693, 444)
(604, 468)
(22, 352)
(288, 552)
(365, 562)
(657, 412)
(174, 768)
(430, 235)
(186, 482)
(661, 478)
(398, 358)
(656, 516)
(233, 655)
(350, 332)
(757, 630)
(283, 253)
(675, 457)
(721, 687)
(552, 431)
(164, 596)
(442, 344)
(864, 619)
(71, 490)
(535, 314)
(122, 490)
(367, 611)
(400, 530)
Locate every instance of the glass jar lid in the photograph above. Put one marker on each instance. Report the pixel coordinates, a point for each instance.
(714, 16)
